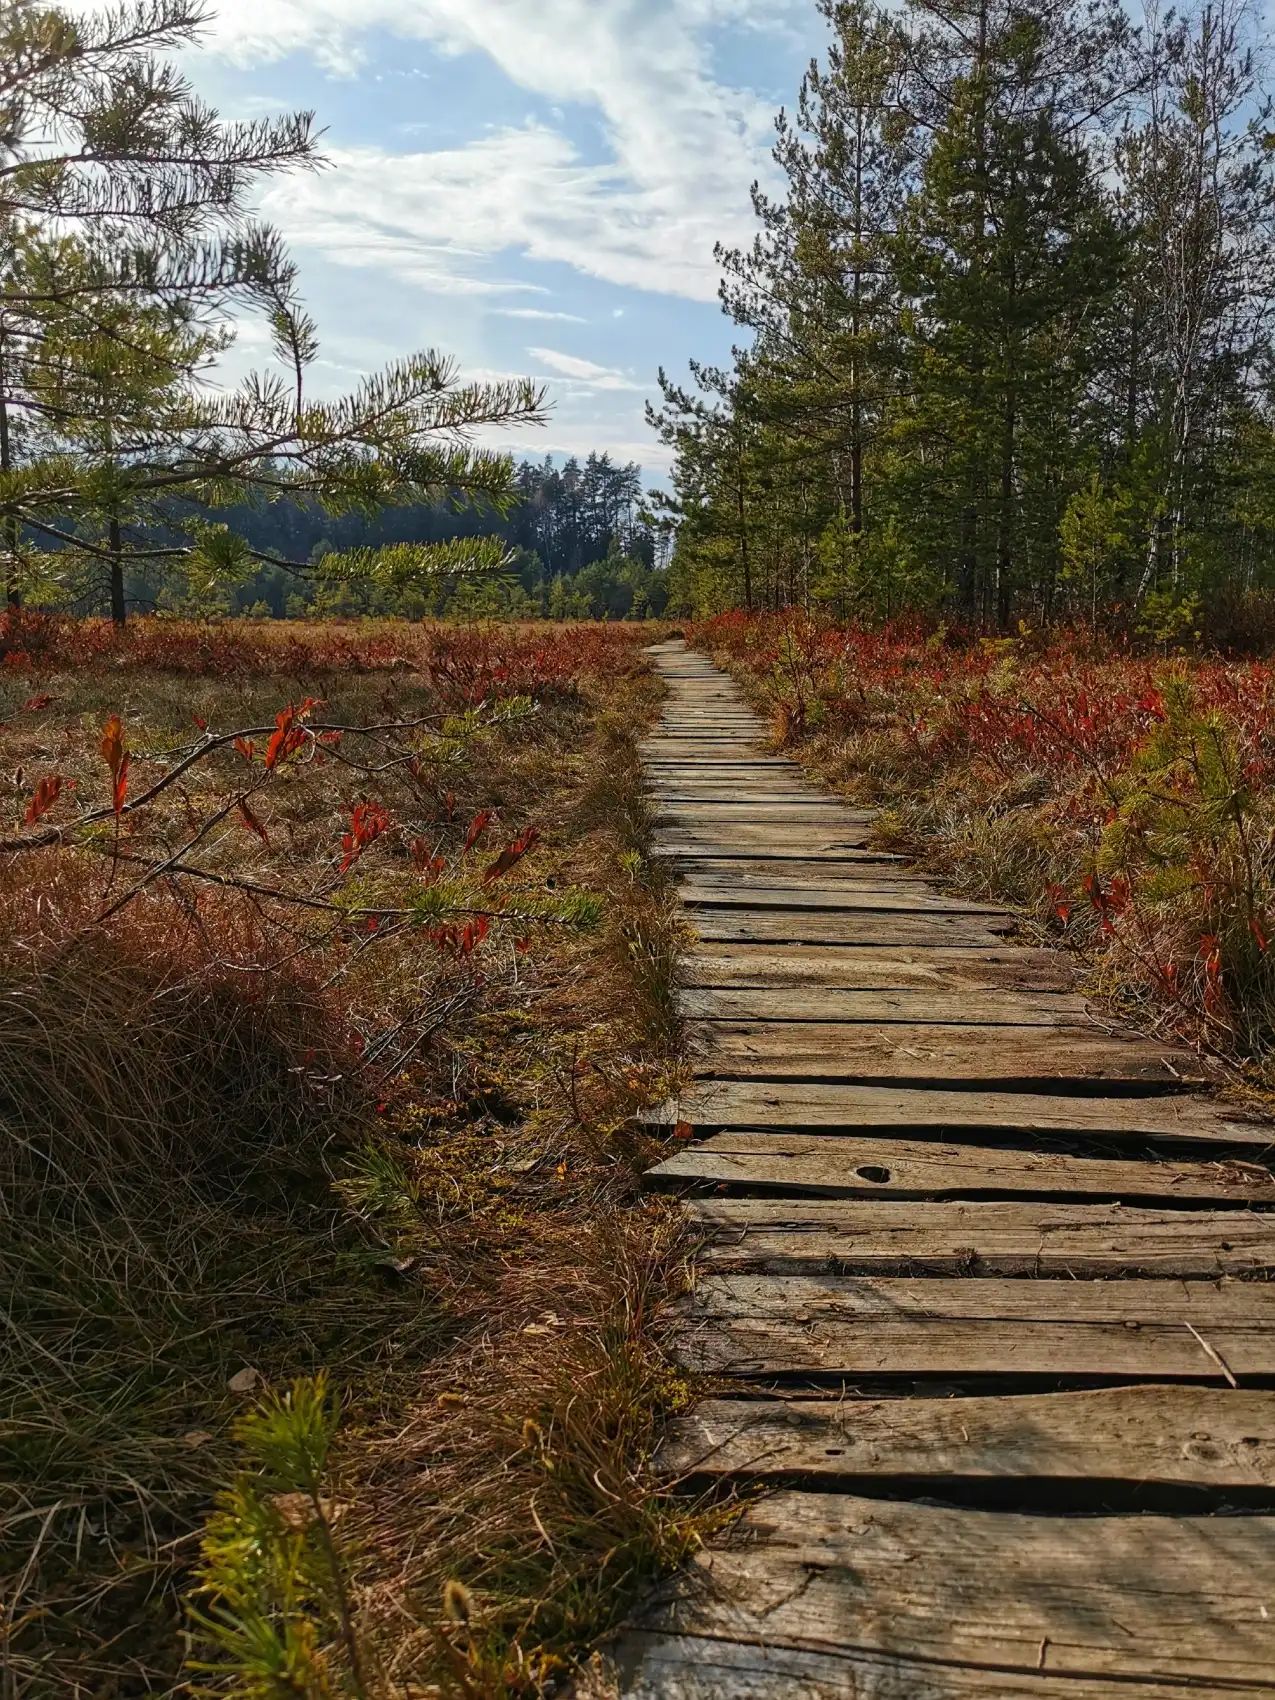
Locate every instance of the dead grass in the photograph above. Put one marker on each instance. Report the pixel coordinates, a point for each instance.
(238, 1145)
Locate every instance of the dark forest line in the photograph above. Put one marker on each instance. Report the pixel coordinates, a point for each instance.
(579, 546)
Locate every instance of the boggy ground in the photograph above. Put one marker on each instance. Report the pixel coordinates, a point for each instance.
(1124, 800)
(332, 970)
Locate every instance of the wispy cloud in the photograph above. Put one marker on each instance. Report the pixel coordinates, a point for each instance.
(681, 146)
(635, 158)
(585, 372)
(538, 313)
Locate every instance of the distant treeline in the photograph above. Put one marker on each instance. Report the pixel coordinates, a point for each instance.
(579, 547)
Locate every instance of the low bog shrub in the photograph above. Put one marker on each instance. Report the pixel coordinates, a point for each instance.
(1126, 799)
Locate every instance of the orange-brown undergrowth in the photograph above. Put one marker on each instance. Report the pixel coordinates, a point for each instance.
(1125, 800)
(329, 1062)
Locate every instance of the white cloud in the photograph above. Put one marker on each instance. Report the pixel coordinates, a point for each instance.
(538, 313)
(426, 217)
(584, 372)
(682, 146)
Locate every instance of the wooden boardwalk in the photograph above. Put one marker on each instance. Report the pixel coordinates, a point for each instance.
(983, 1291)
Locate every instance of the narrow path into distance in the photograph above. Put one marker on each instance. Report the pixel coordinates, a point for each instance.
(983, 1292)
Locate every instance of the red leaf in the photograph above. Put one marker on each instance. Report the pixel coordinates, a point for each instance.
(423, 858)
(1255, 927)
(200, 722)
(472, 935)
(251, 822)
(282, 742)
(116, 758)
(33, 704)
(247, 749)
(112, 745)
(512, 854)
(289, 733)
(481, 821)
(47, 792)
(367, 823)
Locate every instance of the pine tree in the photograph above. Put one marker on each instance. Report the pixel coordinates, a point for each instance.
(715, 472)
(1005, 250)
(1010, 325)
(817, 287)
(105, 144)
(1197, 186)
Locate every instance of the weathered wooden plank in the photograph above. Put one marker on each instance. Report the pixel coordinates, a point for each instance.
(760, 868)
(1128, 1598)
(1024, 1059)
(879, 1237)
(804, 1003)
(747, 1326)
(725, 727)
(786, 828)
(678, 791)
(761, 807)
(889, 928)
(828, 1106)
(830, 895)
(1222, 1438)
(709, 1667)
(1000, 967)
(681, 819)
(687, 854)
(854, 1167)
(687, 793)
(708, 784)
(686, 747)
(740, 837)
(760, 810)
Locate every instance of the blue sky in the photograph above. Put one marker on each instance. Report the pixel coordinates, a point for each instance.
(534, 186)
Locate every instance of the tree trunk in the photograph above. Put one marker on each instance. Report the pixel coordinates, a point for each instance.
(744, 561)
(856, 327)
(13, 596)
(1005, 531)
(1009, 429)
(119, 613)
